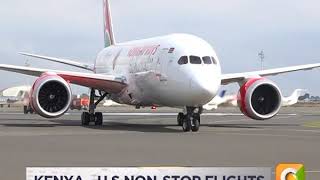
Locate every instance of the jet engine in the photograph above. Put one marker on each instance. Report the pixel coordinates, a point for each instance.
(50, 96)
(259, 99)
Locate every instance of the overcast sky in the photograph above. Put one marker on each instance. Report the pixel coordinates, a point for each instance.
(287, 31)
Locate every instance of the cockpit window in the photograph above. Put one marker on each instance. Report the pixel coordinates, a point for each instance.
(206, 60)
(213, 60)
(183, 60)
(195, 60)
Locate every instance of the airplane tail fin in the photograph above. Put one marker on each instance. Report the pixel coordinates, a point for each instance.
(293, 98)
(297, 93)
(108, 28)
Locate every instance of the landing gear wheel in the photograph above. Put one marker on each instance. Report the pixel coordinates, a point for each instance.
(195, 123)
(186, 124)
(91, 116)
(180, 119)
(85, 119)
(25, 110)
(191, 121)
(98, 119)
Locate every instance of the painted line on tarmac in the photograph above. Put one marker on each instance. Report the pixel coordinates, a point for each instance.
(225, 121)
(168, 114)
(265, 128)
(265, 135)
(155, 114)
(173, 114)
(293, 130)
(248, 119)
(11, 113)
(55, 133)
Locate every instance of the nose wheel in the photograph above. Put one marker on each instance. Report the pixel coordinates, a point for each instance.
(190, 121)
(93, 116)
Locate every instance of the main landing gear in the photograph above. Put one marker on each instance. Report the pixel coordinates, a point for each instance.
(93, 116)
(191, 120)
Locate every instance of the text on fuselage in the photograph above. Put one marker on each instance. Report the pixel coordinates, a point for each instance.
(143, 51)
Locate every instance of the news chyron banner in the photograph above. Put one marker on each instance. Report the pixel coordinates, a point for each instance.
(149, 173)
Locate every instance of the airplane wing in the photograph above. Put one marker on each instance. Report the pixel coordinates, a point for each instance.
(239, 77)
(107, 83)
(63, 61)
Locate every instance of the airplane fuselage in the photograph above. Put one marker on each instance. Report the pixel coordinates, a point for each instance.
(154, 75)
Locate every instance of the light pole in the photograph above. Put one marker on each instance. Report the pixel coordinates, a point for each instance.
(27, 64)
(261, 55)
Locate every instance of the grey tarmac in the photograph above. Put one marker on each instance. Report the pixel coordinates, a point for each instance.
(146, 137)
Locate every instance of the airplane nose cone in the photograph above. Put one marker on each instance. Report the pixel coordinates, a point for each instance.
(203, 83)
(204, 89)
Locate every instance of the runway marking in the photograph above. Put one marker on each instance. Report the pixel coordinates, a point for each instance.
(266, 135)
(174, 114)
(155, 114)
(168, 114)
(28, 134)
(269, 129)
(224, 121)
(11, 114)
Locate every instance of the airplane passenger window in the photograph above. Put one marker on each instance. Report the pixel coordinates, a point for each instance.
(183, 60)
(195, 60)
(213, 60)
(207, 60)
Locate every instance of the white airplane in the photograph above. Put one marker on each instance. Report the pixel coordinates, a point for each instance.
(176, 70)
(294, 97)
(109, 103)
(232, 99)
(13, 95)
(222, 98)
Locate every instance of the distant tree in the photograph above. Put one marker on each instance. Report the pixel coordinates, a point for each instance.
(304, 97)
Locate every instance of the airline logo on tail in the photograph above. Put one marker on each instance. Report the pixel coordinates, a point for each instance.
(108, 30)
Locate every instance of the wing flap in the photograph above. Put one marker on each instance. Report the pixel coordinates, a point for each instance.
(108, 83)
(239, 77)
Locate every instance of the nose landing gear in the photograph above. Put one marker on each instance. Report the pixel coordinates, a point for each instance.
(191, 120)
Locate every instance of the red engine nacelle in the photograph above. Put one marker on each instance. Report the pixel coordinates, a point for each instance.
(50, 96)
(259, 99)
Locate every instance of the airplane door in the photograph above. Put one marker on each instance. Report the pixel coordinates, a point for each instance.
(157, 65)
(163, 64)
(169, 64)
